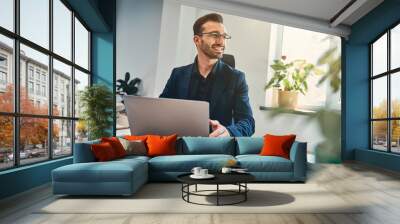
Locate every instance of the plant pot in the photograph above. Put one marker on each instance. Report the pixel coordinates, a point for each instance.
(287, 99)
(275, 93)
(271, 97)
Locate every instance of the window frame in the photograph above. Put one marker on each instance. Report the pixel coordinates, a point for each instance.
(3, 70)
(388, 74)
(16, 114)
(3, 77)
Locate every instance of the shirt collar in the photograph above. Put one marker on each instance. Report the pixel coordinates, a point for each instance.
(196, 71)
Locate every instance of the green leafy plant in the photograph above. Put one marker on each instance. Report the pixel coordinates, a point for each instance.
(333, 74)
(126, 87)
(97, 103)
(291, 76)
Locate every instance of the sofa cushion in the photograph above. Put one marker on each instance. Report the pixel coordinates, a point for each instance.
(116, 145)
(132, 158)
(249, 145)
(134, 147)
(112, 171)
(185, 163)
(257, 163)
(136, 137)
(275, 145)
(161, 145)
(103, 151)
(206, 145)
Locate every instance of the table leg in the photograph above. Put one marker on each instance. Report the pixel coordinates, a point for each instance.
(196, 188)
(182, 188)
(217, 194)
(188, 190)
(245, 193)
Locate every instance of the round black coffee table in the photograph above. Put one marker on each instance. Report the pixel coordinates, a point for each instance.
(238, 179)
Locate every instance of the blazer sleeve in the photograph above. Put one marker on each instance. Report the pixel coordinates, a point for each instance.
(170, 88)
(243, 121)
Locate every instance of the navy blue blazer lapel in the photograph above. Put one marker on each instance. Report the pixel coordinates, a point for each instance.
(220, 84)
(184, 94)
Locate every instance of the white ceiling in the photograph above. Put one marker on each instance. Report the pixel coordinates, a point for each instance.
(319, 9)
(314, 15)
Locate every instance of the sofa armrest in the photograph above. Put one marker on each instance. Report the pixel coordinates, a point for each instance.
(298, 155)
(83, 152)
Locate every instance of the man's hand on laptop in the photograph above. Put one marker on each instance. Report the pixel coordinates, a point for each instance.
(218, 130)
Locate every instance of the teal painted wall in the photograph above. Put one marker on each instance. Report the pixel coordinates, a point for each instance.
(24, 178)
(89, 11)
(103, 52)
(356, 108)
(102, 58)
(103, 64)
(379, 159)
(356, 84)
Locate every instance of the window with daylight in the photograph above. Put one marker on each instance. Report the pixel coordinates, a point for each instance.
(284, 46)
(385, 94)
(37, 65)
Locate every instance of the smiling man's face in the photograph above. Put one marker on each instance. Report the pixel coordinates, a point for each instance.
(210, 45)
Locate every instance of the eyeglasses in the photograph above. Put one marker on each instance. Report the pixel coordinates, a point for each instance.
(217, 35)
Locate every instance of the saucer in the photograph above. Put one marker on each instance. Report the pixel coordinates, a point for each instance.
(208, 176)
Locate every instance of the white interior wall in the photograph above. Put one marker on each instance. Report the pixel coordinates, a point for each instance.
(138, 38)
(167, 49)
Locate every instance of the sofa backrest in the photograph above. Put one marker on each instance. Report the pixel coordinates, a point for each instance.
(193, 146)
(249, 145)
(206, 145)
(83, 152)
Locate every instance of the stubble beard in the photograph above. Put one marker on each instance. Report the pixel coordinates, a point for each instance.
(207, 50)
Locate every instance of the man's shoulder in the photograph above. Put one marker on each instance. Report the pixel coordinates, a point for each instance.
(231, 72)
(183, 70)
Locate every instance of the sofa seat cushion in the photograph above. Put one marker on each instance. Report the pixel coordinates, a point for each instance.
(257, 163)
(185, 163)
(133, 158)
(112, 171)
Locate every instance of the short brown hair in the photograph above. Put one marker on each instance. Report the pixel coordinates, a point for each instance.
(197, 26)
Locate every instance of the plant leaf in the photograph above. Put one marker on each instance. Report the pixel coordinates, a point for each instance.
(127, 76)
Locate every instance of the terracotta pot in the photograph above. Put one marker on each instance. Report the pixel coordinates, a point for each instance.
(287, 99)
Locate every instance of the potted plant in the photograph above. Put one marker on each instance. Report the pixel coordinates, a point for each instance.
(81, 130)
(97, 104)
(126, 87)
(289, 79)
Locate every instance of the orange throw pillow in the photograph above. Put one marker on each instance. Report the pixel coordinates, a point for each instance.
(116, 145)
(103, 152)
(277, 145)
(136, 137)
(161, 145)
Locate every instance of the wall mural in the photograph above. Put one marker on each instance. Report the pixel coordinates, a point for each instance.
(293, 75)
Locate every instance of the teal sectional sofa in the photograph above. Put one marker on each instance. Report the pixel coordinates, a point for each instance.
(125, 176)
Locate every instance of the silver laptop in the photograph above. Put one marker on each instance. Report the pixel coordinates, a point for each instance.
(163, 116)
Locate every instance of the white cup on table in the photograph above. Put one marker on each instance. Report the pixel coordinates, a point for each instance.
(203, 172)
(196, 171)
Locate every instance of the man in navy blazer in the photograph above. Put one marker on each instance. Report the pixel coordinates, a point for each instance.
(210, 79)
